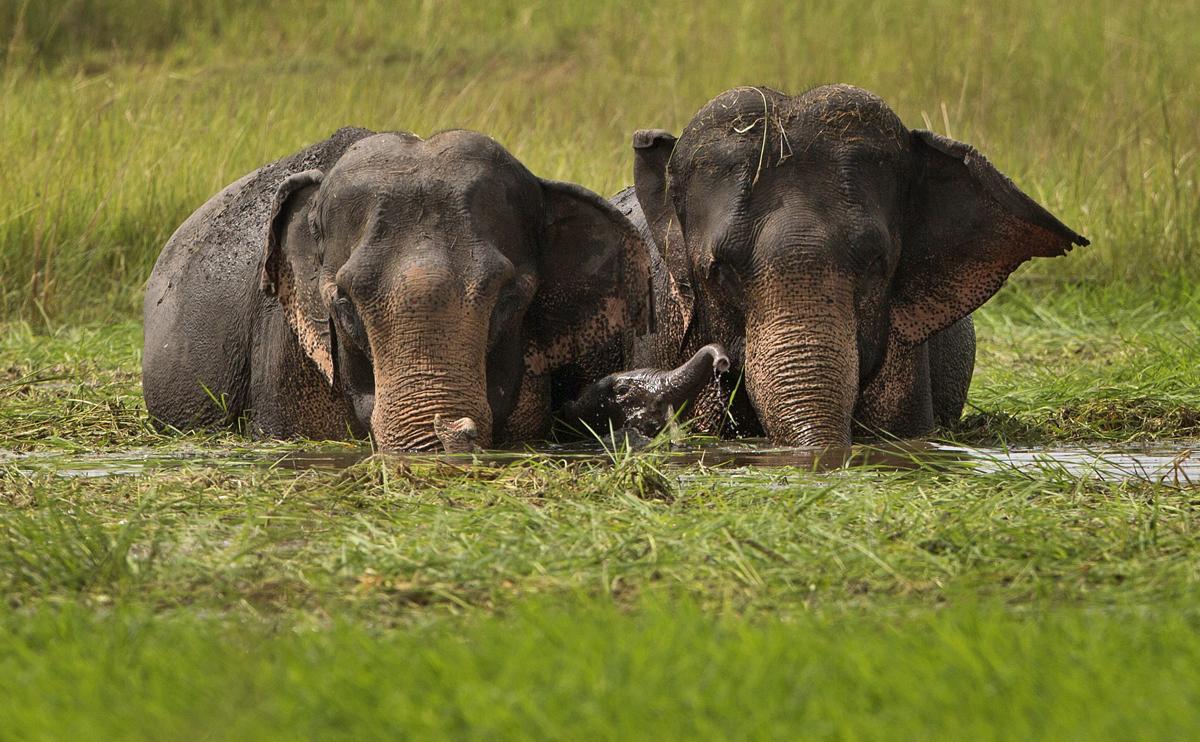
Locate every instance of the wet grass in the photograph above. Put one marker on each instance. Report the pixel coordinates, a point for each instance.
(389, 543)
(1113, 363)
(576, 598)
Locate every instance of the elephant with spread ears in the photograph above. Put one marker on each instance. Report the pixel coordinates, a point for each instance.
(834, 252)
(391, 286)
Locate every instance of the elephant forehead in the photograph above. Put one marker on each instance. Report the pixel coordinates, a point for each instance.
(455, 187)
(846, 111)
(765, 128)
(730, 129)
(453, 159)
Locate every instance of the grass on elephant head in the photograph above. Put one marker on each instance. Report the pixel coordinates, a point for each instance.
(116, 123)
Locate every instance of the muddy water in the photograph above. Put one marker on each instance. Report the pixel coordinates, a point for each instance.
(1177, 464)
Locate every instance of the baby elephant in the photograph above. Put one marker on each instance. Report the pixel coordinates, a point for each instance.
(644, 399)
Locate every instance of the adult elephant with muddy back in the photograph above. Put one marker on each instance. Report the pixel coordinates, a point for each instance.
(377, 283)
(836, 254)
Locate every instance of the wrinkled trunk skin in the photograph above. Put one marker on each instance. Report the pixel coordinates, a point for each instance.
(802, 361)
(682, 384)
(423, 372)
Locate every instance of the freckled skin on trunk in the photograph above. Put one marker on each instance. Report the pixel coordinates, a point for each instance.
(802, 377)
(644, 399)
(427, 376)
(802, 358)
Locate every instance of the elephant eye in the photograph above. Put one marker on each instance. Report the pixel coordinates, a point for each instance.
(727, 278)
(314, 225)
(349, 322)
(879, 265)
(622, 389)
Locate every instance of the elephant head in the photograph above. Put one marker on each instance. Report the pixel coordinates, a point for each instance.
(643, 399)
(439, 279)
(833, 241)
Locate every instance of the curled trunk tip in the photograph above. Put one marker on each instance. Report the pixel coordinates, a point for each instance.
(682, 384)
(720, 360)
(459, 436)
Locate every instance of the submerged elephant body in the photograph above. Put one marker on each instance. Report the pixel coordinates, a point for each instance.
(836, 253)
(645, 399)
(374, 282)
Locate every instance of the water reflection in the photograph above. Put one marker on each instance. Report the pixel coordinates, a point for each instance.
(1178, 465)
(724, 454)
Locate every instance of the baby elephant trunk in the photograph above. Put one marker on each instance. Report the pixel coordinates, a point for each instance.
(643, 399)
(684, 383)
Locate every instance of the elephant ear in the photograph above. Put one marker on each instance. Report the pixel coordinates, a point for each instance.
(291, 268)
(652, 150)
(968, 228)
(593, 284)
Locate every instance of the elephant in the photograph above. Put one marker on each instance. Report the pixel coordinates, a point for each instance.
(836, 253)
(645, 399)
(373, 283)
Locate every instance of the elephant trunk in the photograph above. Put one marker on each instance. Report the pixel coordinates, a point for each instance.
(684, 383)
(802, 367)
(458, 436)
(422, 379)
(407, 418)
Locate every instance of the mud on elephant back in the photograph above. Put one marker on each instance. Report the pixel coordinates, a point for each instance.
(837, 254)
(375, 283)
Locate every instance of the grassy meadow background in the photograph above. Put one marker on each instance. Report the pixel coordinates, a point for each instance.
(215, 595)
(120, 117)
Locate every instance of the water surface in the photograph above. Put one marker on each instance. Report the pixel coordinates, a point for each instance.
(1177, 463)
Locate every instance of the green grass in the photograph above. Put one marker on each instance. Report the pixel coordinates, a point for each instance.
(216, 594)
(116, 123)
(1116, 363)
(572, 671)
(214, 591)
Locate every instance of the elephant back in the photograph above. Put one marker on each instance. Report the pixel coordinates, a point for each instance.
(237, 216)
(202, 305)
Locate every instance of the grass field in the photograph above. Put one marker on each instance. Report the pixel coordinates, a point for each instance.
(119, 117)
(214, 595)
